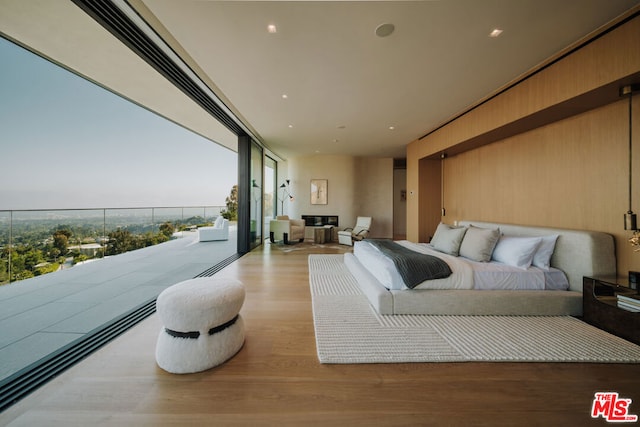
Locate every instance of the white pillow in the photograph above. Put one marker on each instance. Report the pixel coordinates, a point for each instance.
(219, 222)
(478, 243)
(542, 257)
(516, 251)
(447, 239)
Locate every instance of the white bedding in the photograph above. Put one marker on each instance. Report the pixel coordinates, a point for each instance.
(494, 275)
(466, 274)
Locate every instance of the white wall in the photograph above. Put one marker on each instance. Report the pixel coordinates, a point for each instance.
(357, 186)
(374, 194)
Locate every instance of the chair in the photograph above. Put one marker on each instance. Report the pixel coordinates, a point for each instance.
(359, 232)
(219, 231)
(285, 229)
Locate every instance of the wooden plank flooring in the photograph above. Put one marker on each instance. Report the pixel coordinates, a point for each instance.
(276, 378)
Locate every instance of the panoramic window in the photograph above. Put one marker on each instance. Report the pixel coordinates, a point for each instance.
(256, 224)
(71, 145)
(100, 207)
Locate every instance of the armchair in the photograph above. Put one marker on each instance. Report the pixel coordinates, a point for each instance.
(285, 229)
(219, 231)
(359, 232)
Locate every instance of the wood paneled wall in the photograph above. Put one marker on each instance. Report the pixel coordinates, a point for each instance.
(569, 174)
(569, 171)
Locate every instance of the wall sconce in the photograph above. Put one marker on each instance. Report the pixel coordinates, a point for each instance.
(285, 191)
(630, 219)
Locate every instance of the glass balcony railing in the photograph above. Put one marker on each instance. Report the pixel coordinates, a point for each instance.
(51, 321)
(37, 242)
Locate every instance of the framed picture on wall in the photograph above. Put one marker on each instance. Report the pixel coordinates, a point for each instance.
(319, 192)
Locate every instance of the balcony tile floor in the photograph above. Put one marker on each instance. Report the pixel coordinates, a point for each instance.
(41, 315)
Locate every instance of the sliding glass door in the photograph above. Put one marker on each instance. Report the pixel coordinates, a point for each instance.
(256, 171)
(269, 194)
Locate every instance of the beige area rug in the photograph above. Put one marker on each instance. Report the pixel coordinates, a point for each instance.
(349, 330)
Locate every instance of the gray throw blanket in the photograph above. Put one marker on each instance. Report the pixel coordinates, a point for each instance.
(413, 266)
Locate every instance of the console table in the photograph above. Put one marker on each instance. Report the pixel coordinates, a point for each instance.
(600, 307)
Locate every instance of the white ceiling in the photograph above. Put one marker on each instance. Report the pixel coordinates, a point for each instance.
(345, 85)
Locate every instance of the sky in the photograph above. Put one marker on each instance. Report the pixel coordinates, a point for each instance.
(67, 143)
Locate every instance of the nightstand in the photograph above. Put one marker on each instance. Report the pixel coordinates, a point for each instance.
(600, 307)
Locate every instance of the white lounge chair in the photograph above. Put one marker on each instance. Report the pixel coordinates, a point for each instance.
(359, 232)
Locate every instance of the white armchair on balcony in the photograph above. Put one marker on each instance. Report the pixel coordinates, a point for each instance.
(219, 231)
(285, 229)
(359, 232)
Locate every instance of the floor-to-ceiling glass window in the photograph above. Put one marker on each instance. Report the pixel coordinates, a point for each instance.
(255, 231)
(269, 194)
(88, 175)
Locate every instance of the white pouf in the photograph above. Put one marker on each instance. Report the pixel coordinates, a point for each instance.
(202, 325)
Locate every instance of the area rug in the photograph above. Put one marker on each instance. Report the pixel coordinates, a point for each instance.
(349, 330)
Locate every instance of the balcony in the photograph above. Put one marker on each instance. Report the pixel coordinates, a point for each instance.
(45, 318)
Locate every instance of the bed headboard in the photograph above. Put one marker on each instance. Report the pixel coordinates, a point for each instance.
(578, 253)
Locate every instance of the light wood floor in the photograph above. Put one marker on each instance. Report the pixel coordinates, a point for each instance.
(276, 378)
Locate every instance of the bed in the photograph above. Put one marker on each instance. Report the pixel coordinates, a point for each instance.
(509, 285)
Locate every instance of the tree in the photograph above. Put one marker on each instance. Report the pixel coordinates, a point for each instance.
(167, 229)
(231, 213)
(32, 258)
(150, 239)
(80, 258)
(61, 240)
(120, 241)
(4, 271)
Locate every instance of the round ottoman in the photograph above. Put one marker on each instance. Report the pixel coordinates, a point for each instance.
(202, 325)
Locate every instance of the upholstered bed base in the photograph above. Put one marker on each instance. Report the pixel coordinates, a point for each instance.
(577, 253)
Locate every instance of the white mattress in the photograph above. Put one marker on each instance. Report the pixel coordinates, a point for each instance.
(466, 274)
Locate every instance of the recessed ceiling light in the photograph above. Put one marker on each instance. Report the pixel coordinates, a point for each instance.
(384, 30)
(392, 127)
(290, 126)
(495, 32)
(272, 29)
(285, 96)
